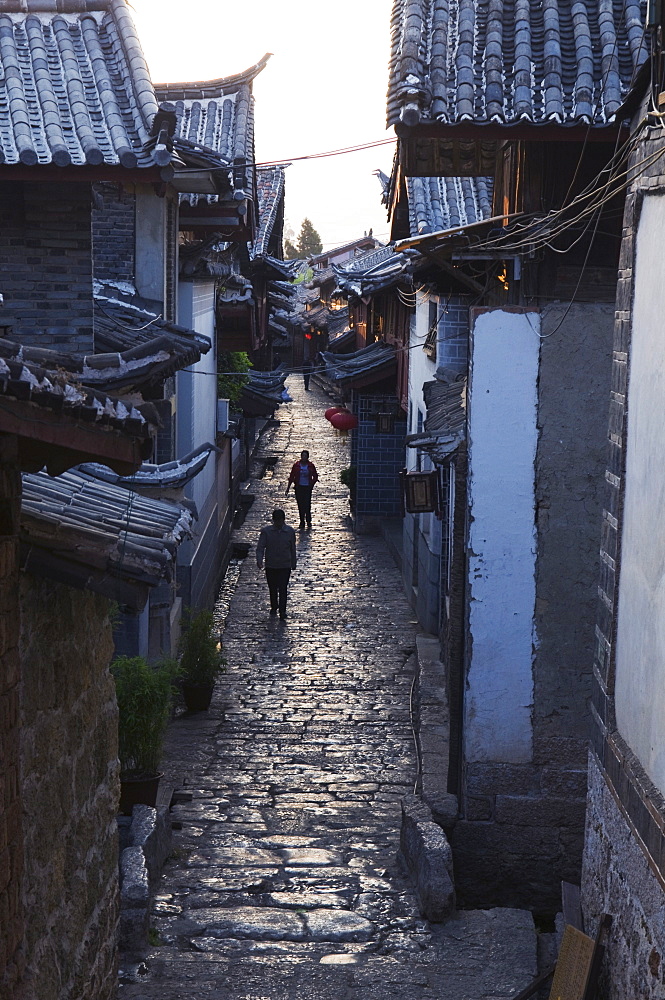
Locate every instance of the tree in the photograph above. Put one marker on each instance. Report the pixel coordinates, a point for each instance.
(290, 251)
(309, 241)
(230, 384)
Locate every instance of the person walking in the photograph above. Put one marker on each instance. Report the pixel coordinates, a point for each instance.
(303, 478)
(307, 370)
(277, 548)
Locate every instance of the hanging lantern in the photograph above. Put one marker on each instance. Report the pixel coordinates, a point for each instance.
(332, 410)
(344, 421)
(308, 336)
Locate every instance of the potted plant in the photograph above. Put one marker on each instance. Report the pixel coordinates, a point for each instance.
(348, 478)
(201, 660)
(144, 694)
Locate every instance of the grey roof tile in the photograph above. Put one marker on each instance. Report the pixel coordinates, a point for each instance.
(99, 536)
(215, 119)
(167, 476)
(513, 60)
(138, 345)
(437, 203)
(270, 183)
(75, 88)
(58, 387)
(445, 424)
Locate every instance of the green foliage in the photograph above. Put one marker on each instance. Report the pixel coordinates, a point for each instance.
(348, 477)
(230, 386)
(144, 694)
(309, 241)
(290, 250)
(200, 650)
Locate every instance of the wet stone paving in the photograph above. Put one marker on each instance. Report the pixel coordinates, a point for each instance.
(284, 882)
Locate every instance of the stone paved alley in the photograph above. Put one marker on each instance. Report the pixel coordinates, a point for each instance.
(284, 882)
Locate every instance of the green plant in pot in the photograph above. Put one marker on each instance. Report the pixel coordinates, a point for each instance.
(201, 660)
(144, 694)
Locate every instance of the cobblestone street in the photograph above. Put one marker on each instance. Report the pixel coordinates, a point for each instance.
(284, 881)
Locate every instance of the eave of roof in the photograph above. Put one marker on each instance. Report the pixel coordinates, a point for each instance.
(528, 62)
(167, 476)
(99, 537)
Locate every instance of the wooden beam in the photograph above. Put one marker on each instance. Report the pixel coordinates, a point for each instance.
(473, 131)
(61, 441)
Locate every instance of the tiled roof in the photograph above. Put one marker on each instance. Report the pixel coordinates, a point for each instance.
(377, 361)
(437, 203)
(263, 393)
(532, 61)
(62, 391)
(445, 424)
(270, 191)
(167, 476)
(373, 271)
(216, 116)
(75, 87)
(135, 345)
(99, 537)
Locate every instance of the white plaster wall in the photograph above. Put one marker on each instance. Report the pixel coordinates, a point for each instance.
(197, 390)
(503, 436)
(640, 647)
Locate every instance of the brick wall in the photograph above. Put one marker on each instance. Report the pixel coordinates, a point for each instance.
(12, 959)
(46, 264)
(113, 232)
(452, 349)
(378, 459)
(624, 853)
(70, 793)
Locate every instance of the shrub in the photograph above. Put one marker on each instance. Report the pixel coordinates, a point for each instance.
(144, 694)
(200, 650)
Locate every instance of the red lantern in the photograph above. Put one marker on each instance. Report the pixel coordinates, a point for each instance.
(308, 336)
(344, 421)
(332, 410)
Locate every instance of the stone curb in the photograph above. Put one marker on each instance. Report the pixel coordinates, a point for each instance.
(432, 722)
(149, 839)
(427, 854)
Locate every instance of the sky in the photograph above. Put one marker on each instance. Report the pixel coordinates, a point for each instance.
(323, 89)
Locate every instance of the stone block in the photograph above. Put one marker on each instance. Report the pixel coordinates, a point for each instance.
(134, 885)
(134, 900)
(444, 806)
(507, 865)
(151, 830)
(507, 779)
(428, 856)
(525, 810)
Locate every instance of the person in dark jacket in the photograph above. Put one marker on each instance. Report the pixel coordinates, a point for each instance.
(303, 478)
(307, 370)
(277, 548)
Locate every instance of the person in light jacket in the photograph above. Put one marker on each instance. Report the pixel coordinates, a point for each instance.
(277, 548)
(303, 478)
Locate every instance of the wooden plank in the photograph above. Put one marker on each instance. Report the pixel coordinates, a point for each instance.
(573, 967)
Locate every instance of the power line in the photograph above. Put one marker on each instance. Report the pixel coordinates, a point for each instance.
(286, 160)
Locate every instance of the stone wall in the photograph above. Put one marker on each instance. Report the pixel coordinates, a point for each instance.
(45, 257)
(70, 793)
(617, 879)
(11, 831)
(113, 232)
(625, 837)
